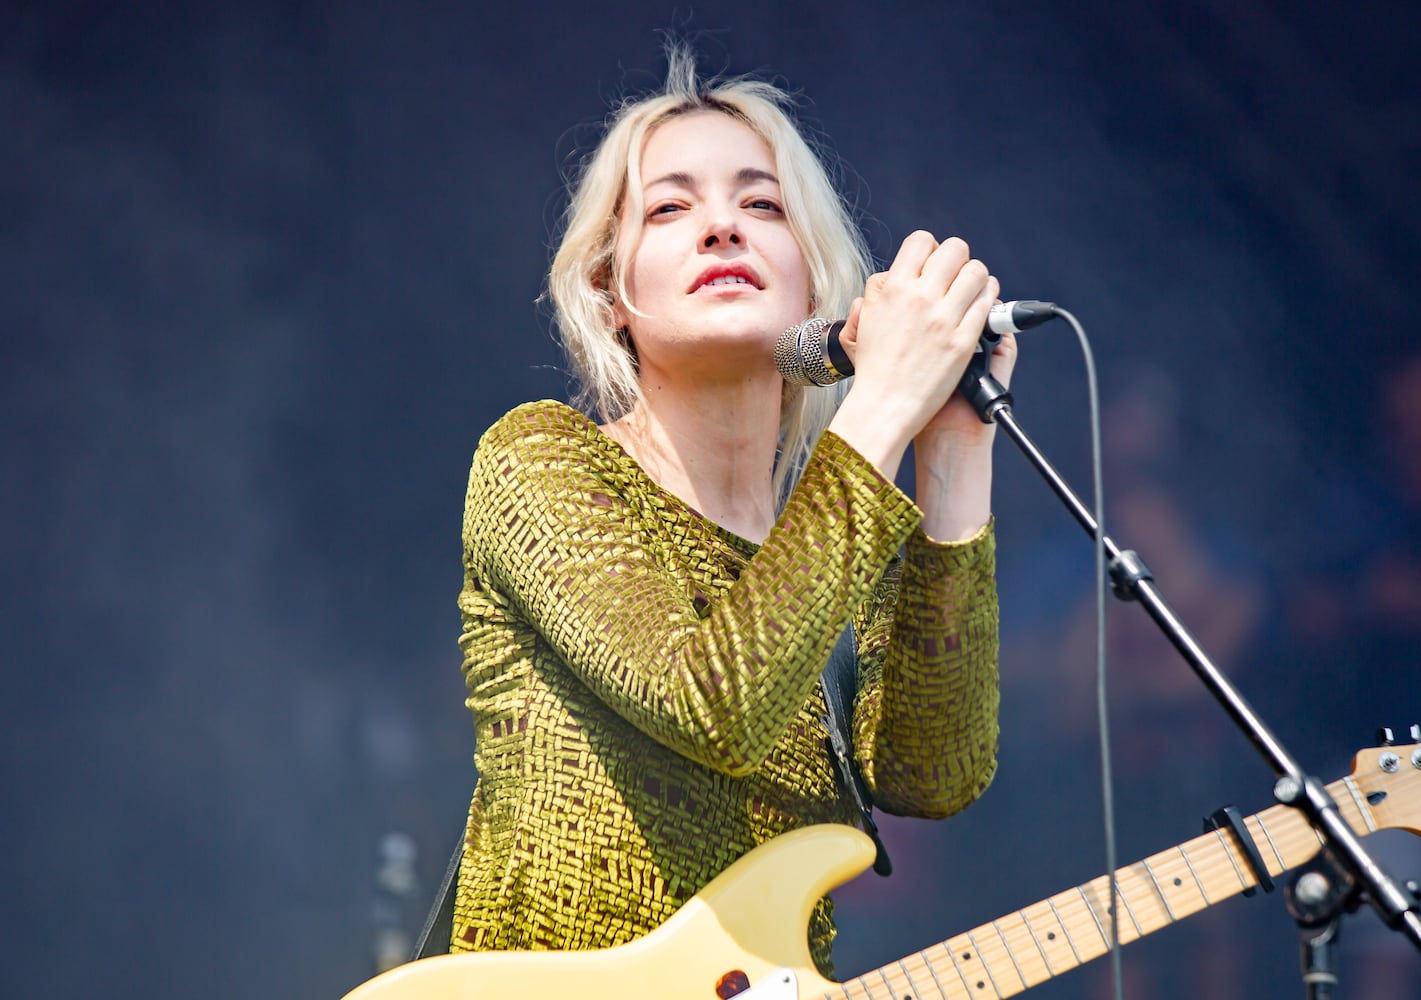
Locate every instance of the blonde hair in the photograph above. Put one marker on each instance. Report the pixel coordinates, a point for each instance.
(584, 282)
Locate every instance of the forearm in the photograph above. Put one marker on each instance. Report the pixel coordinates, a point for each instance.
(954, 483)
(927, 722)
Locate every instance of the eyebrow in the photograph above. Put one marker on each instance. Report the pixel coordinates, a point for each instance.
(745, 175)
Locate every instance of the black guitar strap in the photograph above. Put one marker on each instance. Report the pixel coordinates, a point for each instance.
(439, 925)
(840, 684)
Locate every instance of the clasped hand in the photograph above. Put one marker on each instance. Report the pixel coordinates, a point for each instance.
(912, 334)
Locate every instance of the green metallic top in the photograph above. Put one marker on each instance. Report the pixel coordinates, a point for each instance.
(644, 683)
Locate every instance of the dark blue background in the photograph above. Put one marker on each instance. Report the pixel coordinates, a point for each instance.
(270, 270)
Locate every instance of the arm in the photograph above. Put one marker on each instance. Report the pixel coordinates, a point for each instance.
(926, 717)
(547, 531)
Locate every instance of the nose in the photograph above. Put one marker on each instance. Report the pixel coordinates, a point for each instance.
(721, 231)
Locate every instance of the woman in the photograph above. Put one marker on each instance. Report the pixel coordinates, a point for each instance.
(648, 603)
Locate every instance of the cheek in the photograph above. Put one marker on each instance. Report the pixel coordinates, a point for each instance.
(657, 279)
(795, 265)
(789, 255)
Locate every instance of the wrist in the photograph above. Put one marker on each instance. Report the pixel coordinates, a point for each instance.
(954, 485)
(871, 430)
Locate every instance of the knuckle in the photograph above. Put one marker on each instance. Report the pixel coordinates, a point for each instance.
(976, 271)
(957, 245)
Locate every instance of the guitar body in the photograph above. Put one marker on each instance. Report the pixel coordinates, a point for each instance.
(738, 931)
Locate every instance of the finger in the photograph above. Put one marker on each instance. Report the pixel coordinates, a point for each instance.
(946, 261)
(873, 288)
(849, 335)
(916, 248)
(1003, 360)
(969, 298)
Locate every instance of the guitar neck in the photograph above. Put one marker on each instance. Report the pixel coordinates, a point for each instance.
(1032, 945)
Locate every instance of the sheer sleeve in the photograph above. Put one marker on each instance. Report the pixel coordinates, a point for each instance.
(549, 534)
(926, 721)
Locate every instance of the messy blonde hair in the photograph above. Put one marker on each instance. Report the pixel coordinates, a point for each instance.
(584, 282)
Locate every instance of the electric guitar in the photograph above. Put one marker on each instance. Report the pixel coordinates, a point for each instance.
(744, 934)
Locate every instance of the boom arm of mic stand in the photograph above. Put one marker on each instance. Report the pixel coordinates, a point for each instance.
(1132, 581)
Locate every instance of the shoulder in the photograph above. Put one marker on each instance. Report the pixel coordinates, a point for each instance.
(535, 421)
(538, 432)
(524, 462)
(548, 447)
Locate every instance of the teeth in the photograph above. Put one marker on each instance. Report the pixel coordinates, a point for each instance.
(729, 279)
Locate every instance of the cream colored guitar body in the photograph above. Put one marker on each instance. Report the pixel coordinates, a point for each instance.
(747, 926)
(745, 933)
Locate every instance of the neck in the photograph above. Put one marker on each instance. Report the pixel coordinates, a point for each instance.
(711, 445)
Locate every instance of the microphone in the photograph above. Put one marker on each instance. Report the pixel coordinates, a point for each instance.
(810, 353)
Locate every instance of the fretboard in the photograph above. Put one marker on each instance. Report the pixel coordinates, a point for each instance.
(1032, 945)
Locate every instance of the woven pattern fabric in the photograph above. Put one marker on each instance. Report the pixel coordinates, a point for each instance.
(644, 683)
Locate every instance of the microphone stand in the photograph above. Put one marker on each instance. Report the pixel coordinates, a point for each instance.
(1132, 581)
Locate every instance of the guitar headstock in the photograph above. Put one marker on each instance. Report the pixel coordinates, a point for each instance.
(1389, 776)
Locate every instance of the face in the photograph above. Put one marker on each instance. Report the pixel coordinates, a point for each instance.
(711, 266)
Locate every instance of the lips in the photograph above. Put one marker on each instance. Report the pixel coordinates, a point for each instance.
(726, 274)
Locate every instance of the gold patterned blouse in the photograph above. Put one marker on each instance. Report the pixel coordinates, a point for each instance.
(644, 683)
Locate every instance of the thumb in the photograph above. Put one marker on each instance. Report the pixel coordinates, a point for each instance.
(849, 335)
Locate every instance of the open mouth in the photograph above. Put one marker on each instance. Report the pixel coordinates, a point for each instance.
(722, 277)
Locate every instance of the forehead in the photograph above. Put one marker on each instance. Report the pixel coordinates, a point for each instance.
(703, 141)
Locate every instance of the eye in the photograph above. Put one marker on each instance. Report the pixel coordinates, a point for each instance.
(663, 209)
(765, 205)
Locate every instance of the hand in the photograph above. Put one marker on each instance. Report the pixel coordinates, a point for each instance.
(957, 415)
(958, 418)
(911, 336)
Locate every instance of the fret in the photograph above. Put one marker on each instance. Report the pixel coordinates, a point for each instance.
(1159, 889)
(1183, 892)
(1104, 937)
(983, 960)
(1028, 952)
(1129, 910)
(952, 953)
(1057, 914)
(1102, 887)
(942, 990)
(1026, 922)
(1362, 809)
(996, 926)
(1282, 865)
(1228, 849)
(1190, 865)
(912, 986)
(884, 976)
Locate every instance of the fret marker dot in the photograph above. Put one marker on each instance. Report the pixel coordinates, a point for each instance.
(1178, 882)
(1051, 936)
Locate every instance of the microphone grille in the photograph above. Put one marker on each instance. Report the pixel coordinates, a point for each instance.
(801, 354)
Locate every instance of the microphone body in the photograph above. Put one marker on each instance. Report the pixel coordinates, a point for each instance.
(810, 353)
